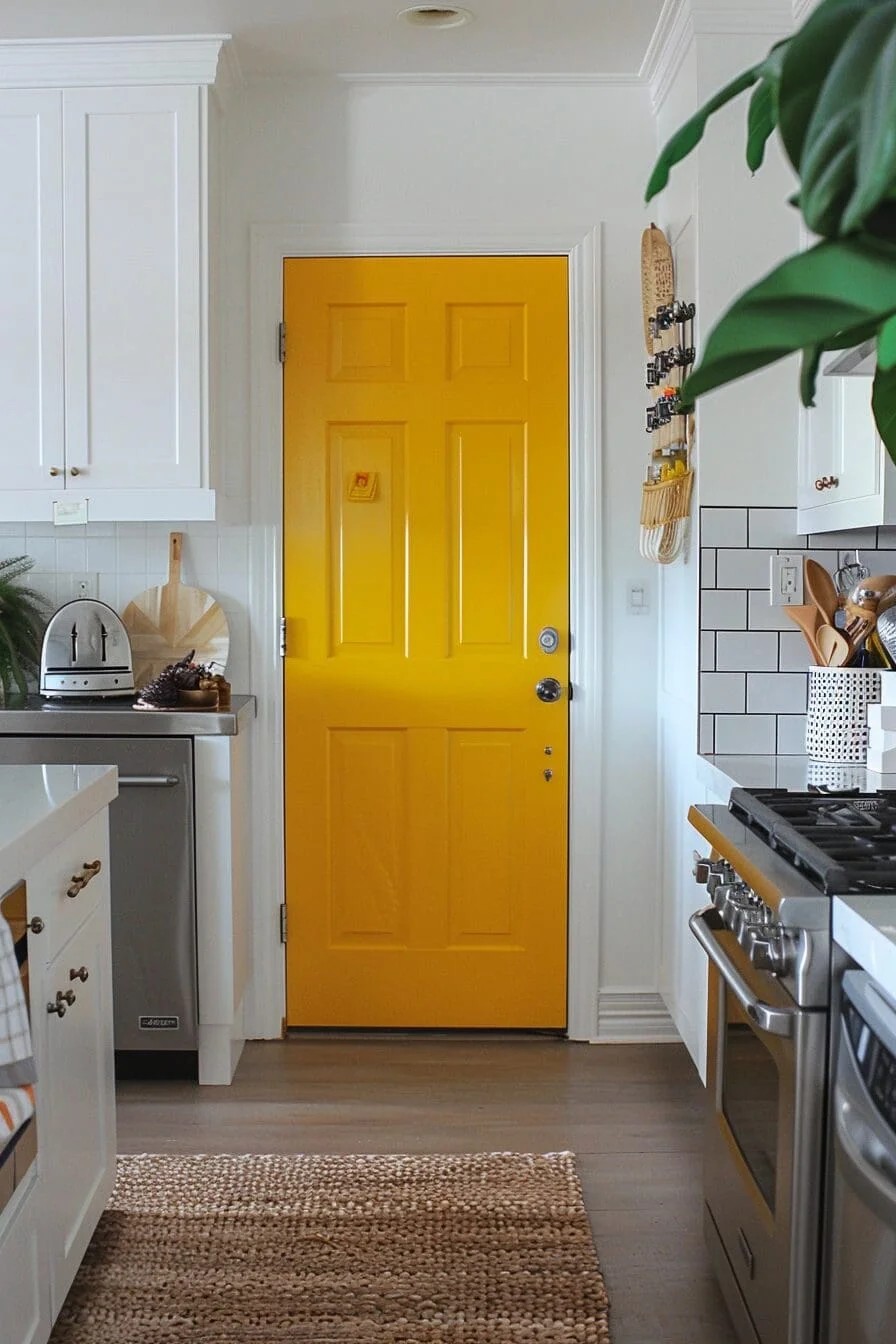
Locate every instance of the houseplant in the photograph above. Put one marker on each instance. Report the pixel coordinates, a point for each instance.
(21, 627)
(829, 91)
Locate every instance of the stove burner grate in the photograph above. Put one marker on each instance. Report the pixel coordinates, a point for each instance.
(843, 842)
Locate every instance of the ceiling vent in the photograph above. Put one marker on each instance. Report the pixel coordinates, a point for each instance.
(435, 16)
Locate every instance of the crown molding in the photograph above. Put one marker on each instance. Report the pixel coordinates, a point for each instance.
(77, 62)
(681, 21)
(230, 71)
(666, 50)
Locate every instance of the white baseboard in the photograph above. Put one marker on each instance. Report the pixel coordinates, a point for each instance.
(624, 1016)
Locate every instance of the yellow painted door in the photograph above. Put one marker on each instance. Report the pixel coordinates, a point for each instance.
(425, 548)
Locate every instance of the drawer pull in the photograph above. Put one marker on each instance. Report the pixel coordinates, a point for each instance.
(827, 483)
(82, 975)
(36, 925)
(79, 880)
(58, 1008)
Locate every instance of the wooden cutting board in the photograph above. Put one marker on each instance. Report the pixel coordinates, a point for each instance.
(166, 622)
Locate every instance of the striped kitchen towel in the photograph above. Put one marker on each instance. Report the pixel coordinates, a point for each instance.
(16, 1061)
(16, 1106)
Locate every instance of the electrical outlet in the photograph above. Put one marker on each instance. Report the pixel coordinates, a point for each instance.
(84, 585)
(786, 581)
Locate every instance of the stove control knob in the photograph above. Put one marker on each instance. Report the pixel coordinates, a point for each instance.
(771, 948)
(784, 947)
(710, 873)
(722, 893)
(735, 908)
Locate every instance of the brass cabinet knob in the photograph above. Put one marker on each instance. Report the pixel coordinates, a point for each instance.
(36, 925)
(74, 471)
(82, 974)
(58, 1008)
(55, 471)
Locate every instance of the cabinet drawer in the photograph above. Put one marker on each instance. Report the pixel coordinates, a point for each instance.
(62, 872)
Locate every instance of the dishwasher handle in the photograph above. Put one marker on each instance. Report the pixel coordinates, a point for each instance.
(775, 1021)
(148, 781)
(866, 1165)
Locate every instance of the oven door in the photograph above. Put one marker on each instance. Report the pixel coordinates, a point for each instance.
(763, 1153)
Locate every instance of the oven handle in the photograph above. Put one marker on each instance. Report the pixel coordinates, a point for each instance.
(148, 781)
(775, 1021)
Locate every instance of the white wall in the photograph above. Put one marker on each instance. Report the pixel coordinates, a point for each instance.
(729, 229)
(438, 156)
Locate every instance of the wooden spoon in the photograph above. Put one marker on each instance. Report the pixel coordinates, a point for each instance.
(834, 647)
(808, 619)
(820, 590)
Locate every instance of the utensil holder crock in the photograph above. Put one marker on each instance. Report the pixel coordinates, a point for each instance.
(837, 714)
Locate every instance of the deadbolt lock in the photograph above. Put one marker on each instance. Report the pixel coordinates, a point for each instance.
(549, 639)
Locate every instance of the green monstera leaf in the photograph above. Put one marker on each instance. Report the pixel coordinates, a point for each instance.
(830, 91)
(819, 298)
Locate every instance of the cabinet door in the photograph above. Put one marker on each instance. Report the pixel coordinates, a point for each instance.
(76, 1108)
(133, 293)
(31, 364)
(839, 441)
(24, 1290)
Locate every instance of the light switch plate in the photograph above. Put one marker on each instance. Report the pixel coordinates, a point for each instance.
(786, 581)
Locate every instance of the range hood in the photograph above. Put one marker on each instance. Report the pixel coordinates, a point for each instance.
(860, 361)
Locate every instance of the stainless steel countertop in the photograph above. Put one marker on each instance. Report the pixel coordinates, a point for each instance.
(35, 716)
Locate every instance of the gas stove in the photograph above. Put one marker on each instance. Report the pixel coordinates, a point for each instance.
(778, 860)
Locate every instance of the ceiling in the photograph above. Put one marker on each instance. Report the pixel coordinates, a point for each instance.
(290, 37)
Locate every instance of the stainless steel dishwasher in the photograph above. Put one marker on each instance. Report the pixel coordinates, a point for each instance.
(862, 1225)
(153, 890)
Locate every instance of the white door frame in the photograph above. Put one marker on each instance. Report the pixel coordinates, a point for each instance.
(270, 244)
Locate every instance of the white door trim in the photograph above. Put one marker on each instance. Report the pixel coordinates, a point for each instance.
(270, 244)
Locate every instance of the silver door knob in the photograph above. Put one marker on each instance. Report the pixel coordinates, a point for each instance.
(549, 690)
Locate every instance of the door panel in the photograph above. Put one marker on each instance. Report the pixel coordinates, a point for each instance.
(425, 545)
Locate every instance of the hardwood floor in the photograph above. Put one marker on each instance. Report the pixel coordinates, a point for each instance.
(631, 1114)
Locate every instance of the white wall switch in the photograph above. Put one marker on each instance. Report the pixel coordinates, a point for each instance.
(786, 581)
(84, 585)
(637, 600)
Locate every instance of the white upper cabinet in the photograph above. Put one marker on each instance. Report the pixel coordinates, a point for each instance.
(846, 478)
(104, 264)
(133, 255)
(31, 349)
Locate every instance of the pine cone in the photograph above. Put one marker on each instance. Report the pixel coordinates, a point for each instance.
(162, 690)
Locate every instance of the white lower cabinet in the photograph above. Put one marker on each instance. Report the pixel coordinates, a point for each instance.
(45, 1231)
(76, 1101)
(24, 1283)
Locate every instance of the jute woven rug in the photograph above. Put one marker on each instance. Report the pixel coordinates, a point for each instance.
(490, 1248)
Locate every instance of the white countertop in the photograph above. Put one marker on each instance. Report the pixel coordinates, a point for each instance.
(865, 927)
(721, 774)
(40, 805)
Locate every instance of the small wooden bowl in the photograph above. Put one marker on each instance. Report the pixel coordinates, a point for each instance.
(198, 699)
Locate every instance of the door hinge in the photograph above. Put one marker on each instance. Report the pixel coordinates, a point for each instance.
(283, 923)
(282, 636)
(281, 342)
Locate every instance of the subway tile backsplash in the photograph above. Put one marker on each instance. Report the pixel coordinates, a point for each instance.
(129, 557)
(753, 660)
